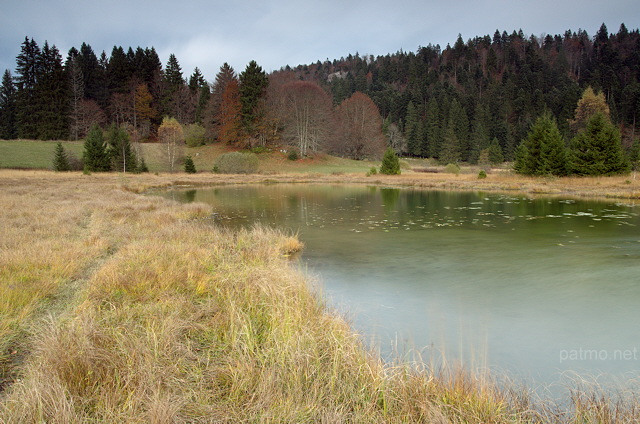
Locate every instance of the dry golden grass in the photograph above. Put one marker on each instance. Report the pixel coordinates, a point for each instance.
(129, 308)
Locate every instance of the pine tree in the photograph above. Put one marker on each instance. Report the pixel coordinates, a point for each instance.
(450, 151)
(543, 151)
(27, 71)
(253, 83)
(390, 163)
(123, 159)
(433, 130)
(8, 108)
(52, 96)
(411, 130)
(60, 159)
(95, 155)
(189, 166)
(597, 150)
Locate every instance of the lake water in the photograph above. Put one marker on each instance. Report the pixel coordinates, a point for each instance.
(531, 287)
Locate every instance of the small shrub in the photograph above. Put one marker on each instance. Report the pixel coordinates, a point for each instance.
(292, 155)
(236, 163)
(60, 159)
(372, 171)
(259, 149)
(482, 174)
(194, 135)
(452, 168)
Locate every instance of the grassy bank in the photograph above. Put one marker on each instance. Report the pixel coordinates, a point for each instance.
(118, 307)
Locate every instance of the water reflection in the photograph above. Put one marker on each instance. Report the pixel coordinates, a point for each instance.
(522, 284)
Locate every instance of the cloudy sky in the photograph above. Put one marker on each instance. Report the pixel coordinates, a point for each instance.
(275, 33)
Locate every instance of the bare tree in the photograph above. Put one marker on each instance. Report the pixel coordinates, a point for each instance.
(360, 129)
(307, 116)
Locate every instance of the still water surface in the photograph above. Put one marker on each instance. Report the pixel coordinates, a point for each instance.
(532, 287)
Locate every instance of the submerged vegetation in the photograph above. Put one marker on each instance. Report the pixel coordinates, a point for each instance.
(118, 307)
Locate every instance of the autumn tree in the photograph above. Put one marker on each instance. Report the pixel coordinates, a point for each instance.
(171, 134)
(360, 129)
(211, 112)
(143, 110)
(228, 118)
(307, 116)
(589, 104)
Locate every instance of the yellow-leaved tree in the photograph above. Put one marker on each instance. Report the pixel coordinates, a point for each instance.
(171, 134)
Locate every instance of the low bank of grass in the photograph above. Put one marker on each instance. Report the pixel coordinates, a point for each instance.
(139, 310)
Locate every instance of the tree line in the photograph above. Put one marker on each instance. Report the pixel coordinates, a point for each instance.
(474, 101)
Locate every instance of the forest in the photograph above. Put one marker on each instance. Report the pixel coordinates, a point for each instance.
(484, 95)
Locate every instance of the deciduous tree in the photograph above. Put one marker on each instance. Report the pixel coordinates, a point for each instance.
(360, 129)
(171, 134)
(229, 117)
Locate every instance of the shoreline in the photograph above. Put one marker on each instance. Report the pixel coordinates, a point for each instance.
(603, 188)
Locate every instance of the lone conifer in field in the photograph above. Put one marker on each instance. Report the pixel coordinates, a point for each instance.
(543, 151)
(60, 159)
(189, 166)
(95, 155)
(390, 163)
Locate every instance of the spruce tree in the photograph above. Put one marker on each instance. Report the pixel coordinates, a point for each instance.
(8, 108)
(253, 83)
(597, 150)
(543, 151)
(60, 159)
(189, 166)
(95, 155)
(390, 163)
(27, 71)
(450, 151)
(123, 159)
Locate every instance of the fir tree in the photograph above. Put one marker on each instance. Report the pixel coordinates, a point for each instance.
(450, 151)
(390, 163)
(95, 155)
(8, 108)
(123, 159)
(253, 83)
(543, 151)
(189, 166)
(597, 150)
(27, 72)
(60, 159)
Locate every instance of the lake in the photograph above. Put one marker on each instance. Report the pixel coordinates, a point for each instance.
(532, 287)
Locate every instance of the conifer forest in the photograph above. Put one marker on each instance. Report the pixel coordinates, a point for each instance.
(543, 102)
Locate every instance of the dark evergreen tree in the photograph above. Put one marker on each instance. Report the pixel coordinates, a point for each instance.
(60, 159)
(253, 83)
(173, 73)
(189, 166)
(494, 152)
(597, 150)
(390, 163)
(450, 150)
(543, 151)
(52, 96)
(27, 70)
(95, 155)
(118, 71)
(8, 108)
(123, 159)
(412, 131)
(433, 129)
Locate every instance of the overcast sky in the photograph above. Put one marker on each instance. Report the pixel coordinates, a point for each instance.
(275, 33)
